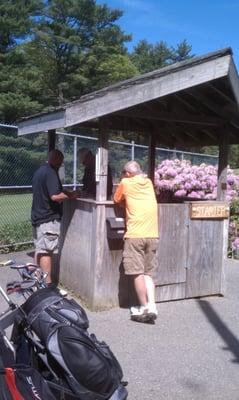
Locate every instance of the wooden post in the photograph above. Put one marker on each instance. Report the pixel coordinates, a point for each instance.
(51, 139)
(222, 167)
(151, 156)
(102, 164)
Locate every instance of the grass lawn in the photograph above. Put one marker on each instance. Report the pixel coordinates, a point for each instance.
(15, 224)
(15, 208)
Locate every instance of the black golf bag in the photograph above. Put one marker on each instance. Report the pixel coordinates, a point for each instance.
(87, 366)
(20, 382)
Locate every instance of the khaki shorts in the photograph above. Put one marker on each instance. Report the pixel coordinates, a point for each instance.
(140, 256)
(46, 237)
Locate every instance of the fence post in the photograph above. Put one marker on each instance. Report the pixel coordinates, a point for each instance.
(75, 162)
(132, 150)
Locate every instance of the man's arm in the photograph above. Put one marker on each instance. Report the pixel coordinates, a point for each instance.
(64, 196)
(54, 188)
(119, 194)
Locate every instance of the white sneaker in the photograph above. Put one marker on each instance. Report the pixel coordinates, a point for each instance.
(152, 311)
(139, 314)
(137, 310)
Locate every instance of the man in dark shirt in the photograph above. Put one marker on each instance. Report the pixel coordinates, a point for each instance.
(87, 158)
(46, 210)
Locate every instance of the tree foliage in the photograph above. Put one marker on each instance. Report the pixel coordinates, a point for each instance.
(19, 79)
(75, 39)
(148, 57)
(53, 51)
(17, 21)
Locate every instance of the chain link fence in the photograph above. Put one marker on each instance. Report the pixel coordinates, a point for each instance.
(21, 156)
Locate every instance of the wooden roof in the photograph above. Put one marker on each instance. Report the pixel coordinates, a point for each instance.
(190, 103)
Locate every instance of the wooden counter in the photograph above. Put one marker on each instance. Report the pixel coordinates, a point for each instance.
(190, 258)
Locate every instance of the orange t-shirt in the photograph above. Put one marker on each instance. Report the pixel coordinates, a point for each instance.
(141, 206)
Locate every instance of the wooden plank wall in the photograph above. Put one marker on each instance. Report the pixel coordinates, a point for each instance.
(190, 258)
(91, 265)
(76, 267)
(173, 236)
(170, 277)
(108, 264)
(206, 257)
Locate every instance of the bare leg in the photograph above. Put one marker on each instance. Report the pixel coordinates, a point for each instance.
(150, 287)
(151, 306)
(140, 288)
(45, 262)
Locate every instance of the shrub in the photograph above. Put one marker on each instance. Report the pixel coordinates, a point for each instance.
(183, 179)
(179, 179)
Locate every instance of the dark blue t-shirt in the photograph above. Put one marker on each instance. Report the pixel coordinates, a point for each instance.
(46, 183)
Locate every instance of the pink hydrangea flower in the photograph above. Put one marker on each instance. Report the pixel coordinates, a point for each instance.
(235, 244)
(180, 193)
(180, 176)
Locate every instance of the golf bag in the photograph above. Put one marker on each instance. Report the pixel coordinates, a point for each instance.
(87, 365)
(20, 382)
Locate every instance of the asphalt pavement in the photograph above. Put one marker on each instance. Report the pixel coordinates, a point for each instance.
(191, 353)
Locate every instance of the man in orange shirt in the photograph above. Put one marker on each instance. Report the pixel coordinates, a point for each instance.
(141, 237)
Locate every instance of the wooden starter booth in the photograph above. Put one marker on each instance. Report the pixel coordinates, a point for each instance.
(192, 103)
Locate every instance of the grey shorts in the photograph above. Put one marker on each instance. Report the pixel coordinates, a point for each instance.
(140, 256)
(46, 237)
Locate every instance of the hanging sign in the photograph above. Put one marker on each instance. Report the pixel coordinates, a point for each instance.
(204, 210)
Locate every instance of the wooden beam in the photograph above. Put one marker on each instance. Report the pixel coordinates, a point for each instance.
(42, 123)
(179, 97)
(211, 135)
(51, 139)
(222, 168)
(102, 163)
(173, 136)
(145, 89)
(212, 106)
(131, 93)
(233, 77)
(127, 124)
(151, 155)
(162, 137)
(172, 117)
(222, 94)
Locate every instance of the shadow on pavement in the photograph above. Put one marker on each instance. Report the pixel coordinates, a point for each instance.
(229, 338)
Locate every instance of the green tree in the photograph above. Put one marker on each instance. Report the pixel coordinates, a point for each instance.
(73, 40)
(19, 81)
(16, 21)
(148, 57)
(115, 68)
(182, 52)
(19, 87)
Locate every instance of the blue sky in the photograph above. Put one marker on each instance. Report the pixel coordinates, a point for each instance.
(207, 25)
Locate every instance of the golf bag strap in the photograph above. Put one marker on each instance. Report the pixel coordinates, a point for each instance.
(59, 318)
(7, 377)
(1, 363)
(38, 309)
(64, 321)
(11, 384)
(2, 372)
